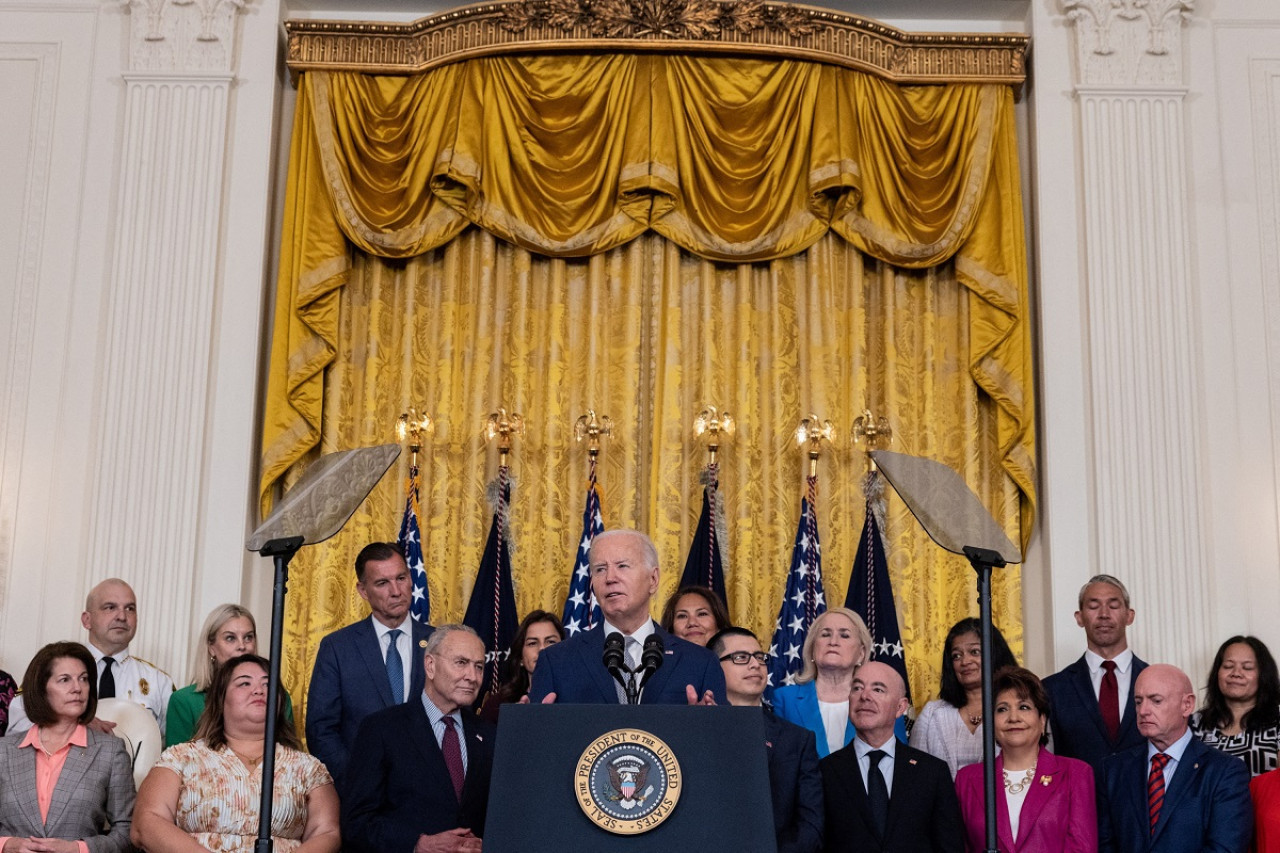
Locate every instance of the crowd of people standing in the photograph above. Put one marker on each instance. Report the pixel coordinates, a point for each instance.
(1108, 754)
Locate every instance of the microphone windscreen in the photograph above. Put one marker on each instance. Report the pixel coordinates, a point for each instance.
(651, 655)
(614, 655)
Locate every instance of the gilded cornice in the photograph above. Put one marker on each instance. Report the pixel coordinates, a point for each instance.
(743, 27)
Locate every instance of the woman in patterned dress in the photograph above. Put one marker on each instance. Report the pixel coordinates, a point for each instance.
(1241, 713)
(204, 795)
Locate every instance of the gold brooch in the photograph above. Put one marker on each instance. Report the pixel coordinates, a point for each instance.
(422, 644)
(1045, 780)
(144, 687)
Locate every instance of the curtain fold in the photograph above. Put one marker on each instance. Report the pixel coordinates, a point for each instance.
(648, 334)
(644, 234)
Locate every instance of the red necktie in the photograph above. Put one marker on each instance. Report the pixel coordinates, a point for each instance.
(1109, 700)
(453, 756)
(1155, 787)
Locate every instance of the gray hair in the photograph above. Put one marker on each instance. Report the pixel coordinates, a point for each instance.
(437, 638)
(1108, 579)
(647, 549)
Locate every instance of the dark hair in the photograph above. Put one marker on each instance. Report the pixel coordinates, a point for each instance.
(716, 643)
(1265, 713)
(212, 727)
(1001, 656)
(1025, 685)
(376, 552)
(719, 612)
(35, 683)
(514, 681)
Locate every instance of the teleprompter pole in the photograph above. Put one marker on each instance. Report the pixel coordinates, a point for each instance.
(282, 551)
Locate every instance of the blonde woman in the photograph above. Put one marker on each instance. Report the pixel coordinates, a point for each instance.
(229, 630)
(837, 644)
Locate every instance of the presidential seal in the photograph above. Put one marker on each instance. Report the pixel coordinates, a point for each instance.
(627, 782)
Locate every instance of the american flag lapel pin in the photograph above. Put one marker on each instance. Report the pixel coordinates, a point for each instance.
(670, 652)
(911, 761)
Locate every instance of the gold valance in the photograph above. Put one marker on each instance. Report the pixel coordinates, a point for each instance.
(705, 27)
(737, 160)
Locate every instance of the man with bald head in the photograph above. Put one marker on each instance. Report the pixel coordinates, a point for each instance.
(624, 577)
(111, 618)
(1172, 794)
(881, 795)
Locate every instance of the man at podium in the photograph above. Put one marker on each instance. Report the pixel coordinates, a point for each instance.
(629, 659)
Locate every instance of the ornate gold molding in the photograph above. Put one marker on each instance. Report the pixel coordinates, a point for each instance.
(751, 27)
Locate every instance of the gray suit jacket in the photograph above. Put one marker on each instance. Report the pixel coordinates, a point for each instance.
(92, 800)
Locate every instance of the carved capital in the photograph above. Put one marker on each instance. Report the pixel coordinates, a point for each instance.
(183, 35)
(1128, 42)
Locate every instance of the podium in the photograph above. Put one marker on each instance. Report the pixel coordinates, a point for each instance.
(629, 777)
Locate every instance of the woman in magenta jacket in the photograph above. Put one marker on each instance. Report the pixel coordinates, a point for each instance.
(1044, 803)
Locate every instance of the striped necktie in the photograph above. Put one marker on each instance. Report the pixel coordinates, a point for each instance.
(1155, 788)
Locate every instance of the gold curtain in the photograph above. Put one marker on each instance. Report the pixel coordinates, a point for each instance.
(643, 235)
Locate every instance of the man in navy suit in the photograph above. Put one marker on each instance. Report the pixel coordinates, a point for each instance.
(1091, 700)
(881, 795)
(366, 666)
(1172, 794)
(624, 577)
(794, 780)
(418, 781)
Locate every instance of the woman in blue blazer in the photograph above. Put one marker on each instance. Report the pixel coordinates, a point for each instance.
(819, 700)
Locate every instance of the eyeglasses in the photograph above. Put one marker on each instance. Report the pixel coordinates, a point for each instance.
(743, 658)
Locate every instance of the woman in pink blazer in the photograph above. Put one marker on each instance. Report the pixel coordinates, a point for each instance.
(1045, 803)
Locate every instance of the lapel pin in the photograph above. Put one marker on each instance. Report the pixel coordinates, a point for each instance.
(911, 761)
(422, 644)
(670, 652)
(769, 744)
(1045, 780)
(479, 738)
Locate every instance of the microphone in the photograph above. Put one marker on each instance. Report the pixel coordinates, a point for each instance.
(615, 658)
(650, 657)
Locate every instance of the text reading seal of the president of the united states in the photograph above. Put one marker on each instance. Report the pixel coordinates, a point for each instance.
(627, 781)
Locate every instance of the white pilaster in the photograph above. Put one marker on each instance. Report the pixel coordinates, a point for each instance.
(1143, 338)
(163, 290)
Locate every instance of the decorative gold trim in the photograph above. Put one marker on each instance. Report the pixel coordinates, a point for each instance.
(752, 27)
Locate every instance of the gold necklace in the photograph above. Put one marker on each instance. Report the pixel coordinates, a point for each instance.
(250, 763)
(1019, 786)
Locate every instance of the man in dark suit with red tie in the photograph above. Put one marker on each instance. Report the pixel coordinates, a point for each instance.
(1091, 701)
(1172, 793)
(419, 772)
(881, 795)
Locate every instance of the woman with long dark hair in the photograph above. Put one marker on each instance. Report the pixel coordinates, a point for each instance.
(950, 727)
(1241, 711)
(204, 794)
(539, 629)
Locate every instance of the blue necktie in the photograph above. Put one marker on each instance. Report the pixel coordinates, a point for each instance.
(395, 668)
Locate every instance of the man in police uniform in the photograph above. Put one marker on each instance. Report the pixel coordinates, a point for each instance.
(111, 617)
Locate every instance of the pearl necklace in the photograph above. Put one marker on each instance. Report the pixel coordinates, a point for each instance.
(1019, 786)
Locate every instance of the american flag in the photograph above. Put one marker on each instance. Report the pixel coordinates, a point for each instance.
(803, 600)
(870, 591)
(581, 612)
(410, 542)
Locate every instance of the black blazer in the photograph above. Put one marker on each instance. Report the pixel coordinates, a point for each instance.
(795, 784)
(399, 788)
(924, 812)
(1075, 721)
(573, 670)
